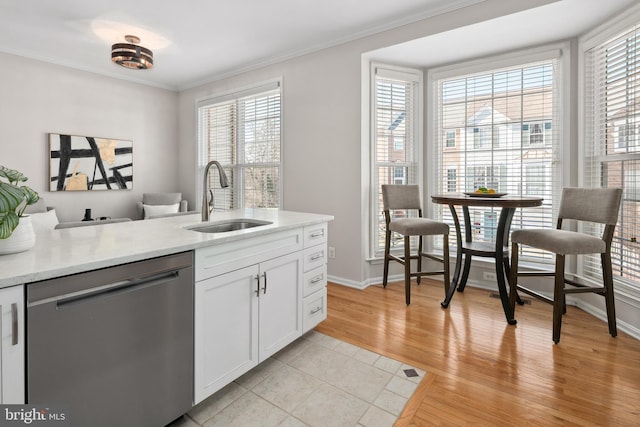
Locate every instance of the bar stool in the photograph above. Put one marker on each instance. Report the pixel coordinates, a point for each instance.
(407, 198)
(596, 205)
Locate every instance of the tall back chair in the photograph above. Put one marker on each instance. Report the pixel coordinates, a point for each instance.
(407, 198)
(595, 205)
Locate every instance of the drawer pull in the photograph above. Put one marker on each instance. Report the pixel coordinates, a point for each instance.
(316, 279)
(317, 234)
(315, 310)
(316, 256)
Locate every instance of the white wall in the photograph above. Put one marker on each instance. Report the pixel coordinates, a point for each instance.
(38, 98)
(322, 129)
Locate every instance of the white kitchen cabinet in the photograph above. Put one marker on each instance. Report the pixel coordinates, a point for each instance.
(280, 303)
(226, 329)
(12, 345)
(249, 312)
(314, 306)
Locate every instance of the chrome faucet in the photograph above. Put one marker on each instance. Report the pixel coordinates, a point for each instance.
(224, 182)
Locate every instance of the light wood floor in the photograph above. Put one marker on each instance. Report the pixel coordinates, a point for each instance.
(482, 371)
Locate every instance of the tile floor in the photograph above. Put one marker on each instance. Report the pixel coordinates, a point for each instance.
(315, 381)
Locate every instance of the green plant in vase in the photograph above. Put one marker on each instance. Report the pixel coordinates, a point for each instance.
(14, 199)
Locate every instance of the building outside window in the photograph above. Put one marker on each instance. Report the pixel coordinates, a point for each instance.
(242, 131)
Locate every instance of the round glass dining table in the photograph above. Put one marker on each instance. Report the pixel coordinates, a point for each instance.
(497, 250)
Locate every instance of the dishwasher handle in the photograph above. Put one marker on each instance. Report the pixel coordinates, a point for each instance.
(113, 289)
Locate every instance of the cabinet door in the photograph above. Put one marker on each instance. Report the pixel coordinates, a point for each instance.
(226, 329)
(12, 374)
(280, 303)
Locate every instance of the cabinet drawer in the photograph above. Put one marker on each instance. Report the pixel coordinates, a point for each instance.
(314, 280)
(315, 257)
(315, 234)
(219, 259)
(314, 310)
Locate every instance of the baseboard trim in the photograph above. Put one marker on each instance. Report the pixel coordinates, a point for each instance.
(626, 327)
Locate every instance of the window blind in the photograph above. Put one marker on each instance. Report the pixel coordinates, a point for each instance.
(612, 144)
(394, 140)
(243, 133)
(499, 129)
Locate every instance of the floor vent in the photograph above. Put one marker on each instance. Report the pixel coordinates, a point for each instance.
(526, 301)
(411, 373)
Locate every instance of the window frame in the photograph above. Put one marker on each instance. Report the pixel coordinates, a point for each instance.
(398, 73)
(593, 39)
(234, 95)
(561, 51)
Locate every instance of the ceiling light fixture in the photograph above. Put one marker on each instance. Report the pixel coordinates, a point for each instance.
(131, 55)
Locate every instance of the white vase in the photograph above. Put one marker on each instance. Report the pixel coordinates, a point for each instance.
(22, 238)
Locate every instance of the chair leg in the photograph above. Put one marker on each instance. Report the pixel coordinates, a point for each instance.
(387, 249)
(513, 278)
(419, 264)
(558, 298)
(445, 261)
(608, 293)
(407, 270)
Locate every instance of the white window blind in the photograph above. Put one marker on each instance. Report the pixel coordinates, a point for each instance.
(499, 129)
(612, 144)
(394, 140)
(242, 132)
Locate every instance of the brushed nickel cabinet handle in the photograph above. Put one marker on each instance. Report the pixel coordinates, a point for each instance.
(265, 282)
(257, 291)
(317, 234)
(316, 256)
(315, 310)
(316, 279)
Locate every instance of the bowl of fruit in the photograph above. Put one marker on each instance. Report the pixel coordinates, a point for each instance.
(485, 192)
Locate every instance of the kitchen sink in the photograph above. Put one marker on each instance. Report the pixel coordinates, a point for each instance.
(228, 225)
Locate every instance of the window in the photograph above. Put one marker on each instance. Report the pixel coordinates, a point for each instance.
(452, 180)
(394, 139)
(612, 149)
(242, 132)
(536, 133)
(398, 143)
(501, 116)
(450, 139)
(399, 175)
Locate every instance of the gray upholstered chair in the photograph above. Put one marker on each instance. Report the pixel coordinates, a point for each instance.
(38, 207)
(594, 205)
(166, 202)
(407, 198)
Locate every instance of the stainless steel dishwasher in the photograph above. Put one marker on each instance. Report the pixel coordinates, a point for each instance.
(114, 346)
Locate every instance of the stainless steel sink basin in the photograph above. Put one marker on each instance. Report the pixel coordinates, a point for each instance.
(228, 225)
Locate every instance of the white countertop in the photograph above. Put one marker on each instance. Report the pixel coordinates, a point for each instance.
(74, 250)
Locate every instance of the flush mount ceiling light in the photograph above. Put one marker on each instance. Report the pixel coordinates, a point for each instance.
(131, 54)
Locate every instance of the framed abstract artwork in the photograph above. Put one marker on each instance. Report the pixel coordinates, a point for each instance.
(83, 163)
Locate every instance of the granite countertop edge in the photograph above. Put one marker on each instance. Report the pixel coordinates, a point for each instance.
(69, 251)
